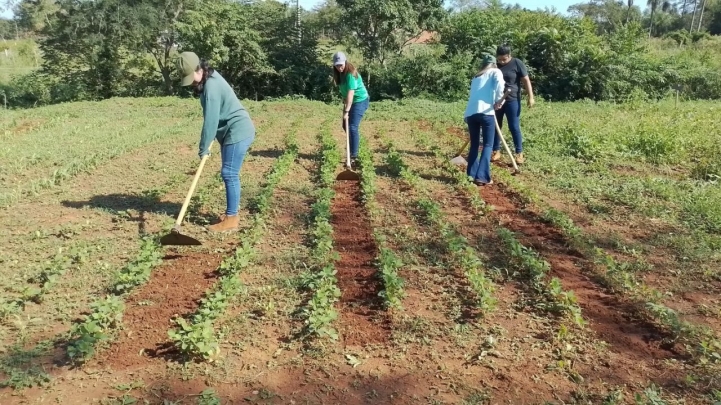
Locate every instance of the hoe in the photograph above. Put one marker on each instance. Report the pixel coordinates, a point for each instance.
(175, 237)
(348, 173)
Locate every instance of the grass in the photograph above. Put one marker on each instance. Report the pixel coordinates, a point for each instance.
(82, 183)
(22, 57)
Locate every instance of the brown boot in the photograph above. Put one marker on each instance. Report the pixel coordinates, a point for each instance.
(227, 223)
(496, 156)
(520, 159)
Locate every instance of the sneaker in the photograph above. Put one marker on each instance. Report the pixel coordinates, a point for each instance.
(496, 156)
(482, 183)
(519, 158)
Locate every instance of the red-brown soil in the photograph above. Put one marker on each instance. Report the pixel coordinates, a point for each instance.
(173, 290)
(608, 315)
(362, 318)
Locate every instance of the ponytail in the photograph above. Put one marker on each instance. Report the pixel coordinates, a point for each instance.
(207, 72)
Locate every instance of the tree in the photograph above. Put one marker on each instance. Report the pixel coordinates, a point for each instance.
(609, 15)
(465, 5)
(385, 27)
(33, 15)
(715, 18)
(220, 32)
(325, 21)
(653, 5)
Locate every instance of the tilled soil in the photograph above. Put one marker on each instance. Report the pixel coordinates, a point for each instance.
(173, 290)
(363, 320)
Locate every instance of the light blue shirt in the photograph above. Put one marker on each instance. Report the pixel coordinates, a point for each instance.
(486, 90)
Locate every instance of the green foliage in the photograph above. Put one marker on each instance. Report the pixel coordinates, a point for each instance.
(319, 313)
(195, 339)
(530, 262)
(385, 27)
(106, 315)
(137, 272)
(387, 262)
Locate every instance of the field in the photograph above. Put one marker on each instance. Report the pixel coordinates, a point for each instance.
(22, 57)
(592, 277)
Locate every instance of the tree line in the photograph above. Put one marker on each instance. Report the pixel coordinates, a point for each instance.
(268, 49)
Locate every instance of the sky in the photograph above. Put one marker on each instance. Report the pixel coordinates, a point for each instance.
(561, 5)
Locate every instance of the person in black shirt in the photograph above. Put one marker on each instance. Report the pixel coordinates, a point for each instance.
(514, 73)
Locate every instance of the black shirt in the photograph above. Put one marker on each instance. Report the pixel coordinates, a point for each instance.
(513, 72)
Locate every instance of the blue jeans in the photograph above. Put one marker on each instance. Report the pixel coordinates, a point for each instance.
(512, 110)
(480, 127)
(357, 110)
(232, 157)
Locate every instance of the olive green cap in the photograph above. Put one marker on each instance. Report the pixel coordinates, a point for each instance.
(488, 59)
(188, 63)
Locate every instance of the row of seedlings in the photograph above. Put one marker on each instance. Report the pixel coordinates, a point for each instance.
(44, 281)
(387, 262)
(461, 182)
(195, 336)
(107, 313)
(699, 340)
(77, 166)
(523, 258)
(318, 313)
(65, 259)
(463, 255)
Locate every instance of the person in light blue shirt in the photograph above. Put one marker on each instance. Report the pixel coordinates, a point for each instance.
(485, 96)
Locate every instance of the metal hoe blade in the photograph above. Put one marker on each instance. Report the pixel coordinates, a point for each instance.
(348, 175)
(178, 239)
(459, 161)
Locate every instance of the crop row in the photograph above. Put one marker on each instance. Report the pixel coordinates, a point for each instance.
(524, 258)
(195, 336)
(387, 261)
(52, 270)
(72, 169)
(106, 313)
(463, 255)
(318, 314)
(537, 269)
(616, 275)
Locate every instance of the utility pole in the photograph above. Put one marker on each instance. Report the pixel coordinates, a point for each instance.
(700, 18)
(297, 19)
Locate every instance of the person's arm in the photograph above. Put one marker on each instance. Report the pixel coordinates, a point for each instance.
(523, 72)
(211, 118)
(499, 92)
(352, 87)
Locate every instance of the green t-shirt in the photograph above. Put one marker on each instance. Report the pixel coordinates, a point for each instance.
(353, 83)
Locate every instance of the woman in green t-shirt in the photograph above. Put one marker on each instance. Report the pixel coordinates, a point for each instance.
(355, 98)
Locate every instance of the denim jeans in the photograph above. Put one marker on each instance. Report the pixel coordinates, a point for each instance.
(512, 110)
(232, 157)
(357, 110)
(481, 128)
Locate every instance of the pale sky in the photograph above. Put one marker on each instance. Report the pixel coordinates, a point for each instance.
(561, 5)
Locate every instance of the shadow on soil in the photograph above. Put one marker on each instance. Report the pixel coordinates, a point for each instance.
(276, 153)
(119, 204)
(312, 387)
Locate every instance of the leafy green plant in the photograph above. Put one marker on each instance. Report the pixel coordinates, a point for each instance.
(195, 339)
(106, 315)
(138, 271)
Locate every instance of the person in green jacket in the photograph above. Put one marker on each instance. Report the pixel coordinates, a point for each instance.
(226, 120)
(355, 99)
